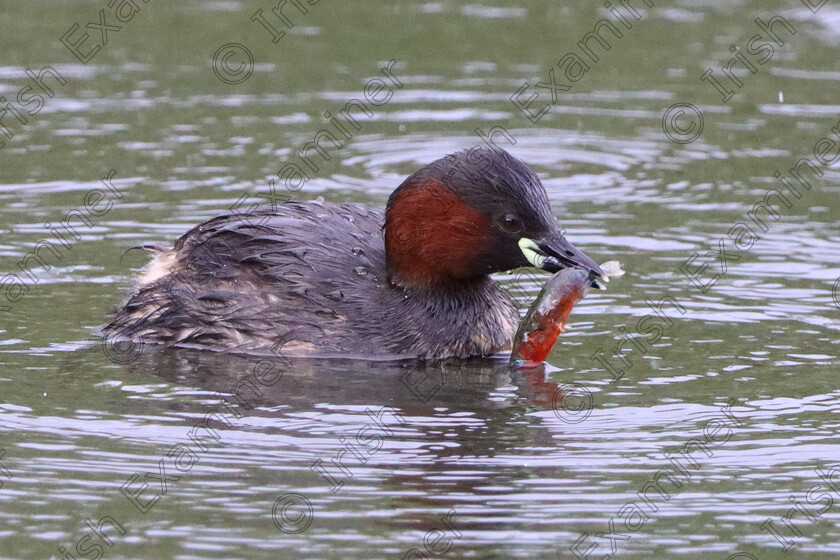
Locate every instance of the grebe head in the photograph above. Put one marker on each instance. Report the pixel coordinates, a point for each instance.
(470, 214)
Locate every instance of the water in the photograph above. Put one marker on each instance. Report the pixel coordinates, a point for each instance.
(494, 463)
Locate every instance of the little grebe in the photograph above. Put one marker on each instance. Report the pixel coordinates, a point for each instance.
(312, 278)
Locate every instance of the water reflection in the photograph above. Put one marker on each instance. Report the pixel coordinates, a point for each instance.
(411, 434)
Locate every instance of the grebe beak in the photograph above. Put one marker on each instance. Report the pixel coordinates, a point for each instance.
(555, 253)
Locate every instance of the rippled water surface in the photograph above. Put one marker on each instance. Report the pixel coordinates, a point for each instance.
(728, 400)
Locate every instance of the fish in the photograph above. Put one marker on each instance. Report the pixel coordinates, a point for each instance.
(547, 317)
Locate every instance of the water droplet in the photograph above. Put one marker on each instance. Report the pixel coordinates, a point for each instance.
(358, 251)
(360, 270)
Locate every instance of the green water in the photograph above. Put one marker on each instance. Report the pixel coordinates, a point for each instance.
(491, 463)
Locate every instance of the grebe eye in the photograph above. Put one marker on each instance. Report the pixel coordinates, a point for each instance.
(510, 223)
